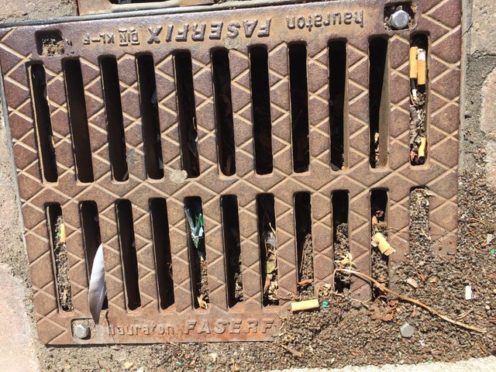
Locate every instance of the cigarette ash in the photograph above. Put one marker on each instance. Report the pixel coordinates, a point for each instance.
(305, 270)
(62, 266)
(270, 283)
(380, 262)
(418, 100)
(341, 254)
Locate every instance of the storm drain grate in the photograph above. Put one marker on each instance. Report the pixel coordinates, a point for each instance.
(265, 129)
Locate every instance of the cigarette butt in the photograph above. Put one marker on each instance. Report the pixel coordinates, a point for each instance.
(304, 305)
(383, 244)
(422, 147)
(375, 221)
(413, 62)
(421, 67)
(61, 232)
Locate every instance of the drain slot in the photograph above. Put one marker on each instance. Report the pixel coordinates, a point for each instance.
(197, 253)
(378, 101)
(88, 214)
(188, 131)
(268, 248)
(232, 249)
(162, 250)
(127, 246)
(420, 237)
(304, 248)
(299, 106)
(43, 125)
(223, 111)
(115, 121)
(418, 99)
(341, 243)
(149, 116)
(260, 95)
(337, 95)
(57, 232)
(78, 119)
(380, 261)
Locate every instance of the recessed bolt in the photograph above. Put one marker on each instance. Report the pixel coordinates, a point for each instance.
(399, 19)
(81, 331)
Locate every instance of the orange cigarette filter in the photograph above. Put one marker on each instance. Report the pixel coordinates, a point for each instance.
(421, 67)
(413, 62)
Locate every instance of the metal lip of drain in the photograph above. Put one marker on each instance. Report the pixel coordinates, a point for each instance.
(136, 312)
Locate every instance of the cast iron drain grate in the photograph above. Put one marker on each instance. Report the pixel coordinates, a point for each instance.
(226, 113)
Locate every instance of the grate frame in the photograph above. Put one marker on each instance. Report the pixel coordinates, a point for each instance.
(248, 320)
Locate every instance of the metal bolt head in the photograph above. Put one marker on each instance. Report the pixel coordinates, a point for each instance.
(399, 19)
(81, 331)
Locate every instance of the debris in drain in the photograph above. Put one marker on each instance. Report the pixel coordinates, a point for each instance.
(379, 241)
(305, 284)
(196, 228)
(305, 305)
(343, 257)
(419, 222)
(407, 330)
(376, 148)
(270, 285)
(381, 249)
(238, 283)
(196, 224)
(62, 266)
(379, 233)
(97, 289)
(52, 46)
(418, 111)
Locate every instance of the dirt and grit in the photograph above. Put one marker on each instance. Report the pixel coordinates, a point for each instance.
(352, 333)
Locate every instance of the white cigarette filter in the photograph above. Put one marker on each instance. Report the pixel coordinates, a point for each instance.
(421, 67)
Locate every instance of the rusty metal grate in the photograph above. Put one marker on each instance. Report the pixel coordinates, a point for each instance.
(62, 95)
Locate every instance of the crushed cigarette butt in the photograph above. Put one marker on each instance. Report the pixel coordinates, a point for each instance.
(379, 241)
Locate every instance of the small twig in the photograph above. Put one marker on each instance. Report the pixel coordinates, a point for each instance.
(383, 288)
(464, 315)
(295, 353)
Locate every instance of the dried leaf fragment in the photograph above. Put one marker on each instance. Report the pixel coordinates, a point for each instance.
(201, 302)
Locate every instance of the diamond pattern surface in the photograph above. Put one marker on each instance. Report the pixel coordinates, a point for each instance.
(17, 48)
